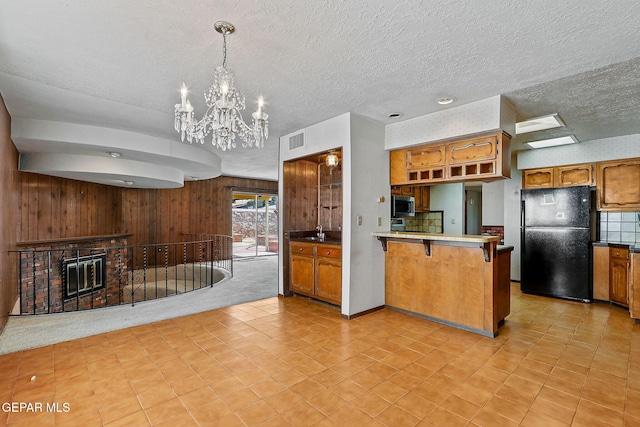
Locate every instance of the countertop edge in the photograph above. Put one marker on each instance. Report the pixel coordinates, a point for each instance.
(436, 237)
(633, 247)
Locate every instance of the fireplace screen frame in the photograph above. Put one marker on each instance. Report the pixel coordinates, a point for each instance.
(83, 275)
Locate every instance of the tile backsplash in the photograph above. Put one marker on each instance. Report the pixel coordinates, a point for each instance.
(620, 227)
(426, 222)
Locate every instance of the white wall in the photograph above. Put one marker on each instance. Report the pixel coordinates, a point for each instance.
(619, 147)
(512, 189)
(323, 136)
(450, 199)
(493, 203)
(365, 178)
(369, 176)
(480, 116)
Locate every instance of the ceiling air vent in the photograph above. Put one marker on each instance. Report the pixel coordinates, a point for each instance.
(296, 141)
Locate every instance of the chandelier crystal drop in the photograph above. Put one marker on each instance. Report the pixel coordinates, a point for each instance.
(223, 118)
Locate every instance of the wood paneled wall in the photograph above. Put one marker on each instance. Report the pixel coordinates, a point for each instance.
(162, 216)
(53, 208)
(9, 216)
(300, 187)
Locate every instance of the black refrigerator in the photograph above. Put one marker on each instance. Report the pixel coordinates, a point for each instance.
(556, 242)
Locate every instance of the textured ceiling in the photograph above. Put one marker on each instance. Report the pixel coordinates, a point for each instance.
(119, 64)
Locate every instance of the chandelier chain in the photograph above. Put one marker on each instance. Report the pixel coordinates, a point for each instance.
(224, 49)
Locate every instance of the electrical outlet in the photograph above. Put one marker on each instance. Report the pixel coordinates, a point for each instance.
(453, 220)
(379, 221)
(359, 219)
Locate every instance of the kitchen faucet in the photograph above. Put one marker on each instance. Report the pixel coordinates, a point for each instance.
(320, 233)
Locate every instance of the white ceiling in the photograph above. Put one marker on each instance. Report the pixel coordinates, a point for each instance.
(119, 64)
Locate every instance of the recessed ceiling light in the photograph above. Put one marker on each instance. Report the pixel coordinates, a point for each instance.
(395, 115)
(539, 123)
(115, 154)
(445, 101)
(128, 182)
(544, 143)
(194, 178)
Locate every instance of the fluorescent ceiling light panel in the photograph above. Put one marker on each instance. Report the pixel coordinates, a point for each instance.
(539, 123)
(544, 143)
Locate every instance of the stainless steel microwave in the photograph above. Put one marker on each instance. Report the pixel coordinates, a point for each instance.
(403, 206)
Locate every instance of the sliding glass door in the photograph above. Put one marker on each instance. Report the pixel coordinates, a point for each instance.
(255, 224)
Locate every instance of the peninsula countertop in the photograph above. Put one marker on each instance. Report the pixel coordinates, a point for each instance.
(468, 238)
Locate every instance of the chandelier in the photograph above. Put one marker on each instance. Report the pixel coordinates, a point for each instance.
(223, 118)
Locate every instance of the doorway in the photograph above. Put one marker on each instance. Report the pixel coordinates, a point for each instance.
(473, 209)
(254, 224)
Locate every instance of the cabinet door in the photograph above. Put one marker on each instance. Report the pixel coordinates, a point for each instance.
(426, 157)
(537, 178)
(569, 176)
(601, 273)
(422, 196)
(619, 185)
(618, 281)
(302, 274)
(329, 279)
(398, 166)
(634, 287)
(472, 150)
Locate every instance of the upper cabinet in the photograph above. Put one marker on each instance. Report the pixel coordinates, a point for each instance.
(482, 158)
(560, 176)
(537, 178)
(619, 185)
(617, 182)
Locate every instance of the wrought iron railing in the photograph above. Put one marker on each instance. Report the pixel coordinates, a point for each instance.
(61, 280)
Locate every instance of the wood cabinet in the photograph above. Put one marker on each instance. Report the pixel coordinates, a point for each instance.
(618, 185)
(573, 175)
(619, 275)
(401, 190)
(475, 157)
(426, 163)
(316, 271)
(601, 273)
(614, 277)
(634, 286)
(328, 274)
(537, 178)
(560, 176)
(397, 167)
(422, 197)
(483, 158)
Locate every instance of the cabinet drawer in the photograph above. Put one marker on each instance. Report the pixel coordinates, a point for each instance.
(619, 253)
(301, 249)
(329, 252)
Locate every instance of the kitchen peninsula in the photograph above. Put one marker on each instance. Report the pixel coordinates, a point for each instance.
(458, 280)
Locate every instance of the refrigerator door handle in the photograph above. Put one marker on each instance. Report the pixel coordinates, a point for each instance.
(522, 209)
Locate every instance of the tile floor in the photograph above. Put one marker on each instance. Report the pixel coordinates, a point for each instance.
(287, 362)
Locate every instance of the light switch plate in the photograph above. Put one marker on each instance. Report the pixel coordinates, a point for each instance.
(359, 219)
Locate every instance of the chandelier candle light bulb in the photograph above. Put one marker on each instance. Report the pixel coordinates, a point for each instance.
(223, 118)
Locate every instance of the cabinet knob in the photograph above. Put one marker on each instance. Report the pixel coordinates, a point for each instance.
(617, 253)
(328, 252)
(300, 249)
